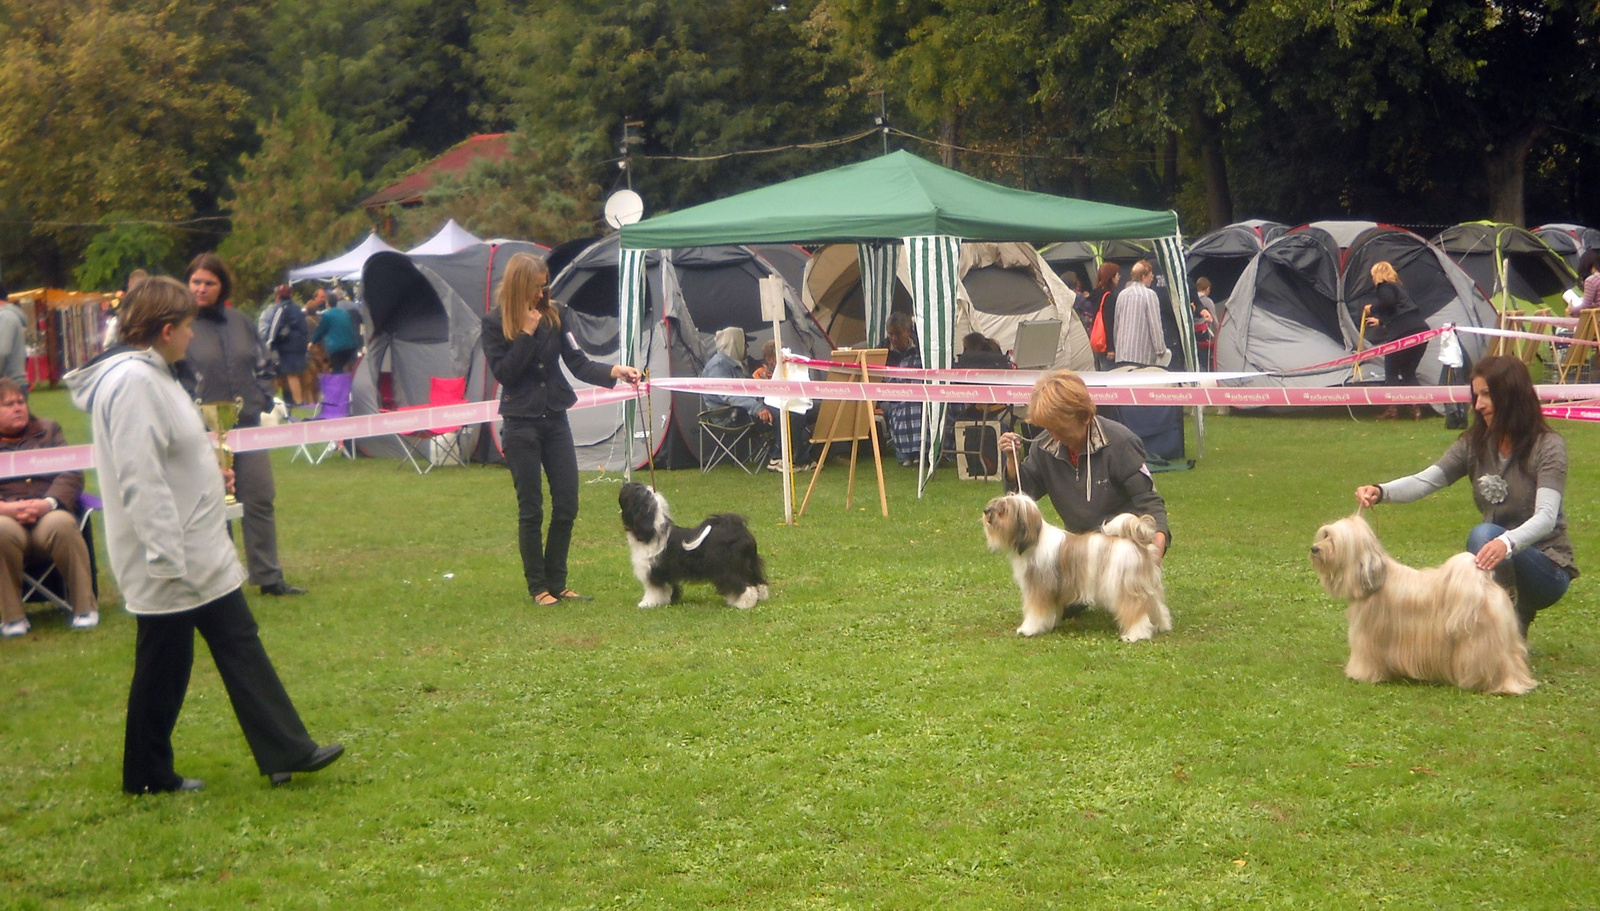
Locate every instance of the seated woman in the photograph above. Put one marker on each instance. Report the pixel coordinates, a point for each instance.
(1519, 471)
(1091, 468)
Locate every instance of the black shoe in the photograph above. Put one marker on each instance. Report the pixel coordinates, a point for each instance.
(184, 784)
(320, 758)
(281, 588)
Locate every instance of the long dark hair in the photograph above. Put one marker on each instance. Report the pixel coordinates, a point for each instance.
(213, 263)
(1517, 414)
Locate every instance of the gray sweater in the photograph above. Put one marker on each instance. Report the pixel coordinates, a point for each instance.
(1109, 479)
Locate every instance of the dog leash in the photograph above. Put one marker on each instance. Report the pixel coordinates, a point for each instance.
(649, 423)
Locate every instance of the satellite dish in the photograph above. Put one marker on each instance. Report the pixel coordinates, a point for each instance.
(624, 208)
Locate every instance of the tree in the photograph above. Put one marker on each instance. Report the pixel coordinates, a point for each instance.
(117, 251)
(110, 106)
(292, 202)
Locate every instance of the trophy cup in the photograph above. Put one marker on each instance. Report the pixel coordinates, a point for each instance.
(221, 417)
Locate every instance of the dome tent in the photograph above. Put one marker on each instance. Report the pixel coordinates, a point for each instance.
(1221, 256)
(691, 293)
(1514, 266)
(1569, 241)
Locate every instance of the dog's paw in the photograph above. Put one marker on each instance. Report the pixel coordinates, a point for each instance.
(761, 593)
(747, 599)
(1140, 631)
(653, 598)
(1032, 629)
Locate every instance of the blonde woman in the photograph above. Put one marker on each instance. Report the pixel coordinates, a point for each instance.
(525, 344)
(1395, 315)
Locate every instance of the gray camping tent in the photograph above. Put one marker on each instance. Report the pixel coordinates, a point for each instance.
(1294, 306)
(691, 293)
(1571, 241)
(426, 315)
(1221, 256)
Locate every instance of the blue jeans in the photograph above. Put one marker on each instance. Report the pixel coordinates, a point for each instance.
(1539, 581)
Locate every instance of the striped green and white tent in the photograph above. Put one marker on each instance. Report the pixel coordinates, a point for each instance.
(899, 199)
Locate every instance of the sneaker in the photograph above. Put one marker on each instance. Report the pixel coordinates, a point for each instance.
(15, 628)
(809, 466)
(775, 465)
(86, 621)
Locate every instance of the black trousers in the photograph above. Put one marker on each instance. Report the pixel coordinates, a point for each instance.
(163, 658)
(535, 447)
(1400, 368)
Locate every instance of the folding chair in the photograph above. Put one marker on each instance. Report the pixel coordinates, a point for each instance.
(42, 581)
(335, 404)
(735, 436)
(438, 445)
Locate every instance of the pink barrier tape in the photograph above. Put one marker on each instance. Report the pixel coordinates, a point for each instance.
(1015, 395)
(1571, 321)
(1533, 336)
(251, 439)
(1029, 377)
(1586, 413)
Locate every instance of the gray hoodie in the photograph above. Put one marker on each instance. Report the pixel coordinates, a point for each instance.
(165, 530)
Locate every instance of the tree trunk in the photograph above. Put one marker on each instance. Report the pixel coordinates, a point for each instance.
(1214, 168)
(1504, 166)
(1169, 167)
(947, 138)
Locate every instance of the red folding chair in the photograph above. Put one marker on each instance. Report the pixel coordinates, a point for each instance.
(437, 445)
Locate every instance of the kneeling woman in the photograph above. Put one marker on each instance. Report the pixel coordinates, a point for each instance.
(1518, 467)
(525, 347)
(170, 550)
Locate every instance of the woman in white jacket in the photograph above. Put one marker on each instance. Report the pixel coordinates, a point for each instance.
(170, 551)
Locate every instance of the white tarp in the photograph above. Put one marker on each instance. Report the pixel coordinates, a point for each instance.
(345, 266)
(452, 238)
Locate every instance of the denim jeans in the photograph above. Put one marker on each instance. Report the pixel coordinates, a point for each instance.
(536, 447)
(1539, 581)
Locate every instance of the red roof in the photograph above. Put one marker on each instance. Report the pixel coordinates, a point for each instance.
(487, 147)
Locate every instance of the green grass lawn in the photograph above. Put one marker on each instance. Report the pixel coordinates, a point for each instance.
(873, 736)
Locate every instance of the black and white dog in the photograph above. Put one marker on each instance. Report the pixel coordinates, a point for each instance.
(721, 550)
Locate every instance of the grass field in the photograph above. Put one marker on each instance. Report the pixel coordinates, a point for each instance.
(873, 736)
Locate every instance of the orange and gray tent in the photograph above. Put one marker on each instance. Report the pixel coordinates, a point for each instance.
(895, 199)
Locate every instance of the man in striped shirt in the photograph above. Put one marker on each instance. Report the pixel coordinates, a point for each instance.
(1137, 335)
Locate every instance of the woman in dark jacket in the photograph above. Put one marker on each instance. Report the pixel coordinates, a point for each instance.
(1395, 315)
(525, 346)
(1105, 295)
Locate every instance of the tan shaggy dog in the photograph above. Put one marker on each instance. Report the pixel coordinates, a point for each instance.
(1450, 624)
(1117, 569)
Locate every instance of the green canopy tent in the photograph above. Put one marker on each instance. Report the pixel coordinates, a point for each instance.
(898, 198)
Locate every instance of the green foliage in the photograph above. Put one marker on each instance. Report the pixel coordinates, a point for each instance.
(292, 202)
(873, 736)
(118, 250)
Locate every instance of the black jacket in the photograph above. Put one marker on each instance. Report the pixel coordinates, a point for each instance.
(1397, 314)
(528, 368)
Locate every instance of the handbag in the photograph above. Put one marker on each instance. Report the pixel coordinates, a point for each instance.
(1097, 334)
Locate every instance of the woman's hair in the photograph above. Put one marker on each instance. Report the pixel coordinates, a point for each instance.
(525, 286)
(1588, 262)
(10, 387)
(1383, 272)
(1107, 276)
(152, 304)
(1517, 414)
(213, 263)
(974, 342)
(1060, 398)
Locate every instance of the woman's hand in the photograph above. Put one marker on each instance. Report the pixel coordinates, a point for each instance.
(531, 320)
(227, 481)
(1369, 495)
(1490, 555)
(627, 374)
(1372, 321)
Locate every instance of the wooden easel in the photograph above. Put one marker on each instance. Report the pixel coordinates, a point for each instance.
(850, 422)
(1528, 349)
(1580, 355)
(1505, 346)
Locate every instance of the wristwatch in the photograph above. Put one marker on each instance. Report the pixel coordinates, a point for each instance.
(54, 503)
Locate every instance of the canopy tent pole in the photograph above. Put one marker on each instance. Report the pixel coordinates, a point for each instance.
(877, 286)
(630, 316)
(1169, 253)
(935, 262)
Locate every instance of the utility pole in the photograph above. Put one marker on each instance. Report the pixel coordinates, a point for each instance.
(629, 140)
(882, 120)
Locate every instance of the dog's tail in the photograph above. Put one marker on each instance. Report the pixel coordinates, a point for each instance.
(1141, 530)
(1468, 593)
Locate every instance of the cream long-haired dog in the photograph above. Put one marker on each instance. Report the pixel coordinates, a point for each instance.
(1450, 624)
(1117, 569)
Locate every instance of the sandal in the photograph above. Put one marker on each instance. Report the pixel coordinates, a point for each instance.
(545, 599)
(568, 594)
